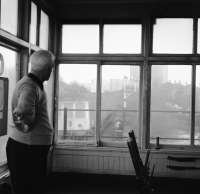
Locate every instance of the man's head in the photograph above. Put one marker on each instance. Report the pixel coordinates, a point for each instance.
(42, 62)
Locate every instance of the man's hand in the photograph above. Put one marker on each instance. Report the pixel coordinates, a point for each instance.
(19, 122)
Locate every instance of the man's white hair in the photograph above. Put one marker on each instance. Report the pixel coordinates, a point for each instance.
(41, 60)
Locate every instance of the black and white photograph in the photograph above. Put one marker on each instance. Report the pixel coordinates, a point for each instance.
(99, 96)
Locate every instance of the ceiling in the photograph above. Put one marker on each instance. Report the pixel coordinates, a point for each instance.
(67, 2)
(91, 10)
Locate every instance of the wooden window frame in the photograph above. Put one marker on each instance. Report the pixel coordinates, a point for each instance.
(146, 59)
(100, 59)
(5, 107)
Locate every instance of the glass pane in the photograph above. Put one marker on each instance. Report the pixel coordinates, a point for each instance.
(80, 39)
(174, 36)
(44, 31)
(120, 102)
(33, 24)
(122, 39)
(9, 15)
(48, 86)
(198, 36)
(77, 103)
(10, 71)
(197, 107)
(3, 141)
(170, 104)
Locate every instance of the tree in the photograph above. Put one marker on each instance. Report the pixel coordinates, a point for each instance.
(72, 91)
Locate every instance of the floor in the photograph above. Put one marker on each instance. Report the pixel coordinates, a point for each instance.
(72, 183)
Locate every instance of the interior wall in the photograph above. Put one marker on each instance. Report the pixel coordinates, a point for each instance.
(113, 161)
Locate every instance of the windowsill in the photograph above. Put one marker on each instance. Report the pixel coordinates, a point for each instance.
(89, 148)
(176, 148)
(116, 144)
(92, 145)
(165, 150)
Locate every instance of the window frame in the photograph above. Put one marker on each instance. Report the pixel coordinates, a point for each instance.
(192, 119)
(36, 31)
(98, 141)
(145, 59)
(77, 53)
(5, 108)
(194, 29)
(100, 59)
(57, 97)
(126, 53)
(18, 16)
(175, 59)
(121, 143)
(40, 10)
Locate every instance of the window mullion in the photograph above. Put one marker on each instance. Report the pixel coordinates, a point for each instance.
(98, 97)
(195, 36)
(0, 14)
(140, 108)
(101, 38)
(146, 83)
(38, 26)
(98, 105)
(192, 134)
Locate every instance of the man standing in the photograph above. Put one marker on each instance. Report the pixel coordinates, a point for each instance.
(30, 136)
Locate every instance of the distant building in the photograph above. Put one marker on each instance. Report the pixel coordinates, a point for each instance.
(115, 84)
(92, 85)
(159, 74)
(112, 85)
(134, 77)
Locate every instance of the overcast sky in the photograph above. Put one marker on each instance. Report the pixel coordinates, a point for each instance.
(170, 36)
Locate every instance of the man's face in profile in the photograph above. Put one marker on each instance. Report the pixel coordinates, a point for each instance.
(48, 72)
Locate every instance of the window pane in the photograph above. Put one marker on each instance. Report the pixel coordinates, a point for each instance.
(174, 36)
(3, 140)
(10, 71)
(197, 107)
(9, 15)
(44, 31)
(48, 86)
(80, 39)
(198, 36)
(33, 24)
(171, 104)
(122, 39)
(120, 102)
(77, 102)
